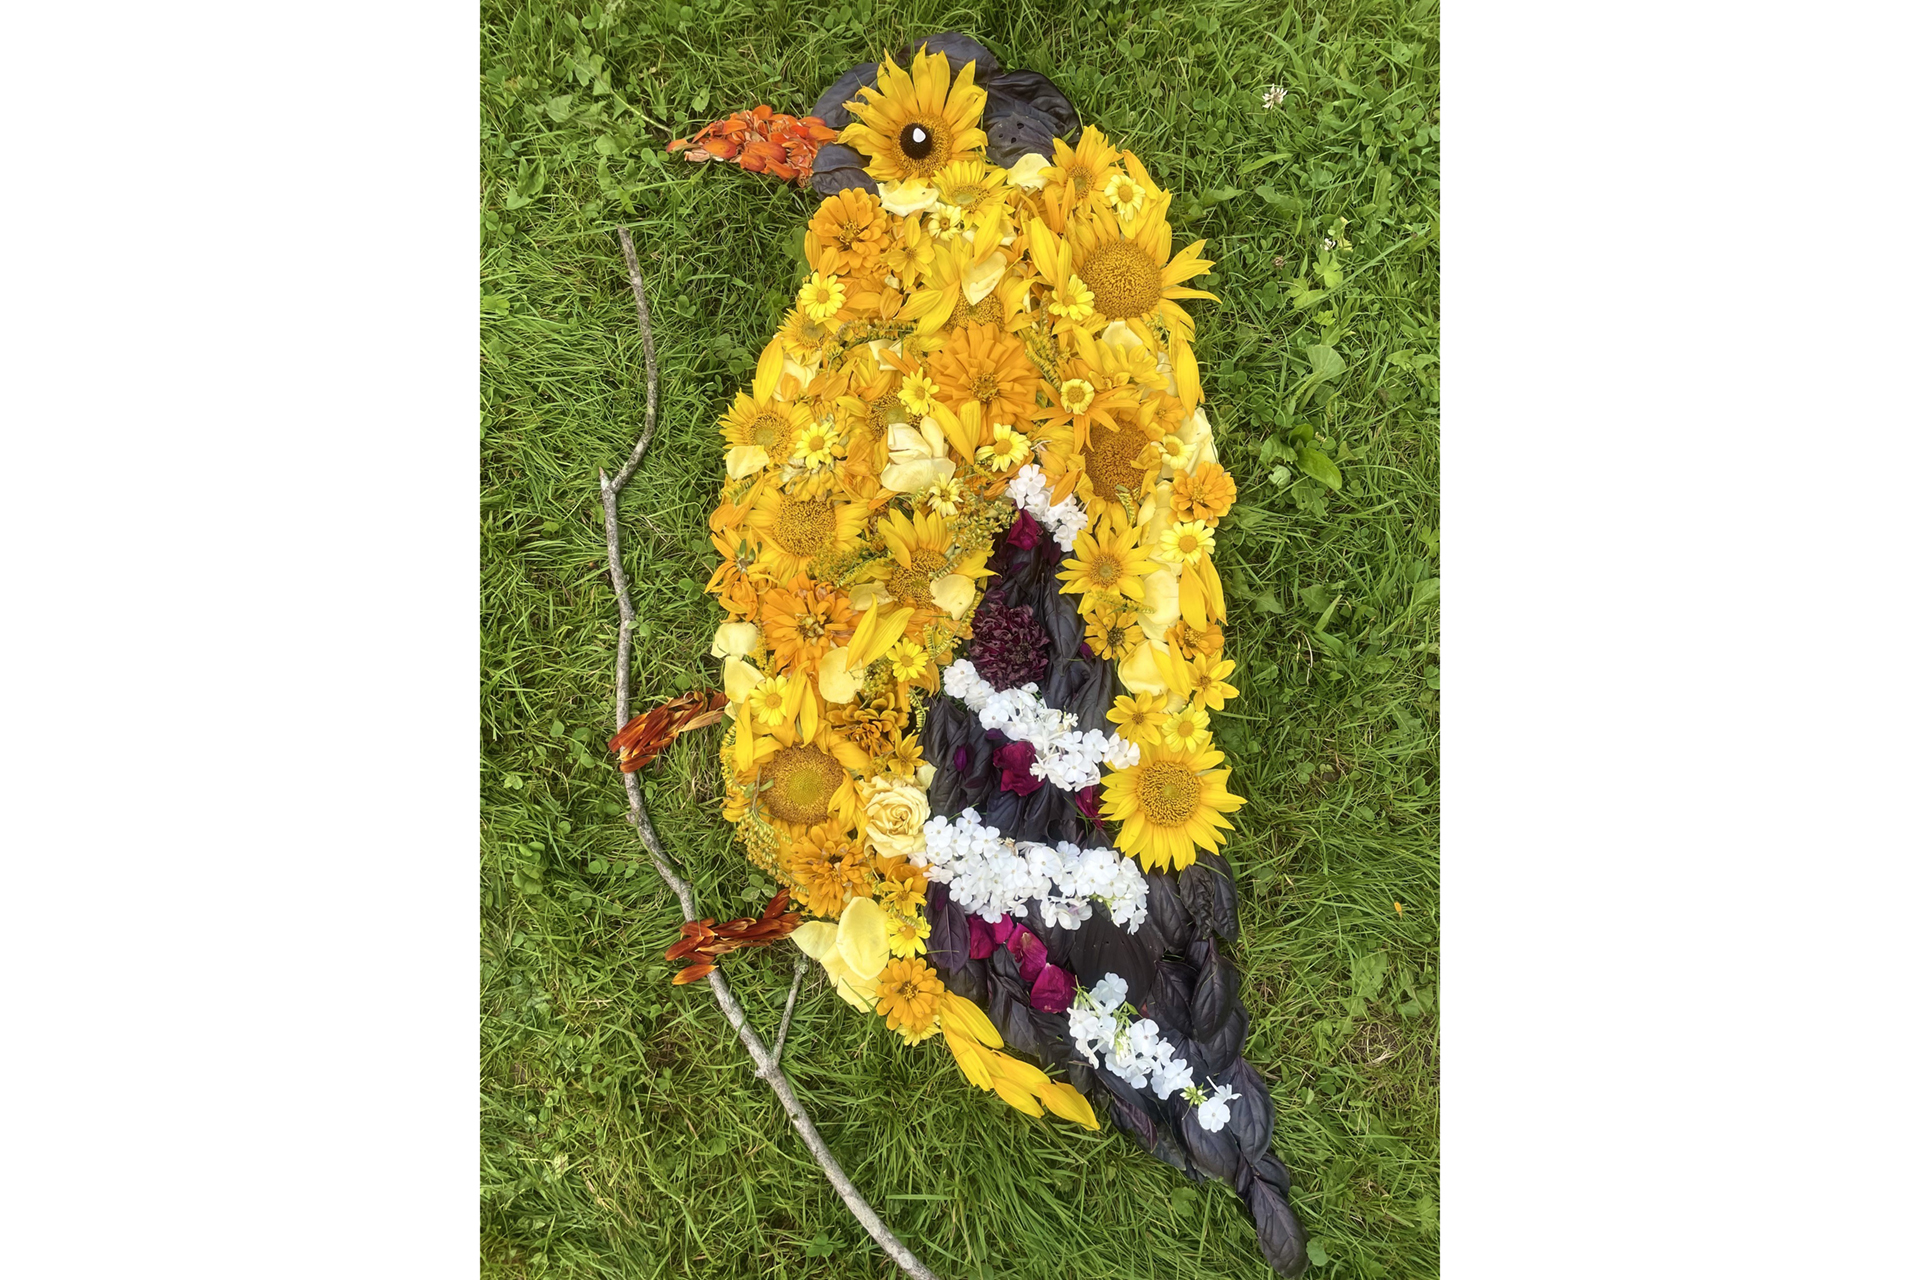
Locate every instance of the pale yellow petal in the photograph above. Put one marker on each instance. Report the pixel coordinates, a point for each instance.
(840, 681)
(735, 639)
(952, 592)
(863, 938)
(744, 460)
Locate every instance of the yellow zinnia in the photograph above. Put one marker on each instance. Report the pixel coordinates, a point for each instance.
(1169, 803)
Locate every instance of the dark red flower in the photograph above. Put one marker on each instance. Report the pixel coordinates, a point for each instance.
(1002, 929)
(1026, 947)
(1015, 763)
(1052, 991)
(980, 943)
(1009, 645)
(1025, 532)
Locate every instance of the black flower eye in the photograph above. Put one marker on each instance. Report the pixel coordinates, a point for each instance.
(916, 141)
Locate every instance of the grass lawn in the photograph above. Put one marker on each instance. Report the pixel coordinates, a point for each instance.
(623, 1133)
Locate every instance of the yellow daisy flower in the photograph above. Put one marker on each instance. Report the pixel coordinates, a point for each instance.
(1208, 673)
(796, 532)
(1140, 718)
(909, 660)
(917, 391)
(1006, 451)
(817, 444)
(1185, 542)
(822, 297)
(1110, 562)
(1186, 730)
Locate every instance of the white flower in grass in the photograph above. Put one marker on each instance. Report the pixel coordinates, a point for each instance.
(1275, 95)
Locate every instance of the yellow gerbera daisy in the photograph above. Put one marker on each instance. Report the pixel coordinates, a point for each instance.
(761, 432)
(796, 532)
(923, 577)
(914, 124)
(1109, 562)
(1167, 804)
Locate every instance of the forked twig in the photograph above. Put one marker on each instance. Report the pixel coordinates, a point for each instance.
(767, 1063)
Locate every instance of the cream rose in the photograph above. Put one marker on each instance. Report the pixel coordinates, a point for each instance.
(896, 816)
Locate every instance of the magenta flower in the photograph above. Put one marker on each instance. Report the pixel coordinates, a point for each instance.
(1031, 953)
(1015, 762)
(1052, 991)
(1002, 929)
(980, 940)
(1025, 532)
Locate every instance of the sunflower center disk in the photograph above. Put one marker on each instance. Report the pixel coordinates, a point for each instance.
(801, 783)
(805, 527)
(1124, 280)
(911, 586)
(769, 431)
(917, 141)
(1169, 793)
(1110, 456)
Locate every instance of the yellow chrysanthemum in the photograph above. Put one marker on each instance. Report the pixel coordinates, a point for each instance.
(1170, 802)
(946, 496)
(1109, 562)
(914, 124)
(909, 998)
(1006, 451)
(1140, 718)
(796, 532)
(825, 867)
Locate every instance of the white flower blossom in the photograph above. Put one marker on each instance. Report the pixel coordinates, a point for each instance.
(1213, 1112)
(1030, 490)
(1133, 1051)
(1065, 755)
(994, 877)
(1275, 95)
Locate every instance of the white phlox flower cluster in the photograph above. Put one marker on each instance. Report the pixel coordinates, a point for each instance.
(994, 877)
(1028, 491)
(1067, 757)
(1133, 1050)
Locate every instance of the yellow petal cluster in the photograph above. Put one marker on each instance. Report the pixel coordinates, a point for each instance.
(959, 327)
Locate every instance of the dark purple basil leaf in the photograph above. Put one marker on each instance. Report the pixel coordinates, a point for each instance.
(1168, 911)
(1216, 1053)
(1281, 1240)
(980, 943)
(1196, 893)
(832, 106)
(1017, 130)
(837, 168)
(960, 50)
(1213, 871)
(1215, 1154)
(1027, 949)
(1213, 991)
(1052, 990)
(947, 942)
(1252, 1112)
(1080, 1076)
(970, 980)
(1271, 1170)
(1169, 1000)
(1036, 95)
(1130, 1109)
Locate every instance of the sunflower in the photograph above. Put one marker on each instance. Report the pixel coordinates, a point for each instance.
(1084, 397)
(1110, 562)
(1168, 803)
(914, 124)
(988, 368)
(1118, 459)
(799, 781)
(761, 431)
(802, 621)
(796, 533)
(848, 235)
(967, 183)
(806, 339)
(924, 576)
(1133, 274)
(909, 996)
(825, 867)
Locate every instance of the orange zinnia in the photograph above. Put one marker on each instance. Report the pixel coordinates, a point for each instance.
(983, 366)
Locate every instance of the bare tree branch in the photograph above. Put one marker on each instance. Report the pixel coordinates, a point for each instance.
(786, 1019)
(767, 1063)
